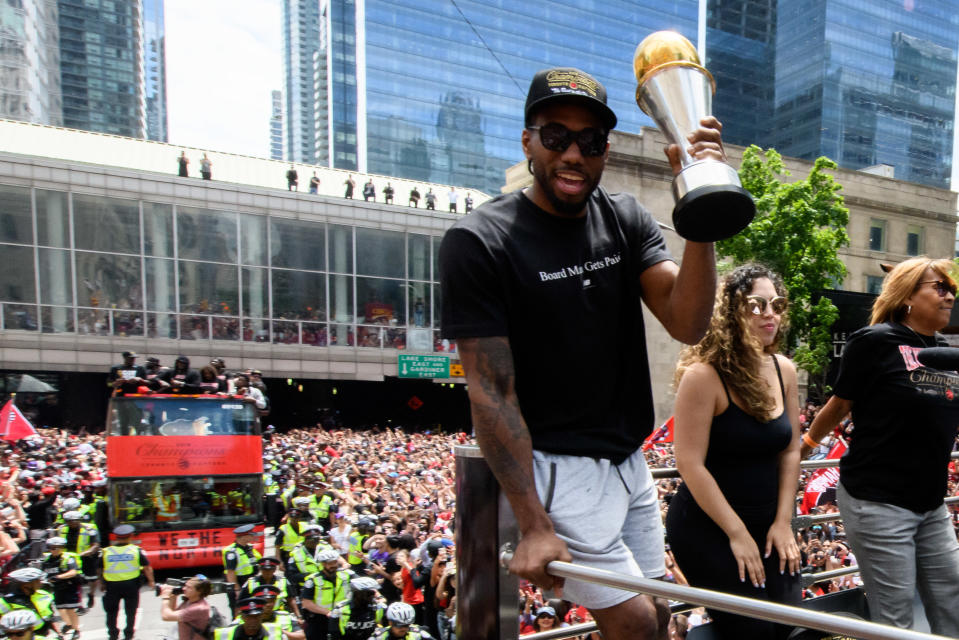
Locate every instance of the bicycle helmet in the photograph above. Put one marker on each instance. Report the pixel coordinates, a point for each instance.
(400, 613)
(18, 620)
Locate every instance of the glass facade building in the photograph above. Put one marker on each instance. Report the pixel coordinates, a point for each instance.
(434, 91)
(102, 67)
(301, 42)
(868, 82)
(741, 55)
(182, 272)
(154, 69)
(30, 62)
(276, 125)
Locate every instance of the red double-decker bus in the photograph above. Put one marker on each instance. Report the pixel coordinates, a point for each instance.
(184, 471)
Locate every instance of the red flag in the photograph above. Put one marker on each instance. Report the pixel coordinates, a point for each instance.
(13, 425)
(661, 435)
(822, 479)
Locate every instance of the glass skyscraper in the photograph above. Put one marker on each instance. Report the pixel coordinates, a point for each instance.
(276, 125)
(301, 43)
(101, 66)
(30, 62)
(741, 55)
(432, 90)
(154, 69)
(864, 82)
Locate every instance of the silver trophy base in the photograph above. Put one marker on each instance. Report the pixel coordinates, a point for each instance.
(711, 203)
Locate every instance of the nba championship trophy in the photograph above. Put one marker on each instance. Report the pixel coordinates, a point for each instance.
(677, 92)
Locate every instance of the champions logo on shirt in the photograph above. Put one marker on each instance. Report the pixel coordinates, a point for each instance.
(909, 357)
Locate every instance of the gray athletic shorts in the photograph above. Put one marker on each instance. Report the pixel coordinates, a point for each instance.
(607, 515)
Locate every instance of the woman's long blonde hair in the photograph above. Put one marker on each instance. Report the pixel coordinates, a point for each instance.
(731, 348)
(901, 282)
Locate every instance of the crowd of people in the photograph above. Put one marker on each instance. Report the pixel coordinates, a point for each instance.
(371, 513)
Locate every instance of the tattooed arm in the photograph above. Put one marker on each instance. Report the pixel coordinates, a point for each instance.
(504, 439)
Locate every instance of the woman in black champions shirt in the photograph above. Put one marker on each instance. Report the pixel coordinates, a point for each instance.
(893, 479)
(737, 448)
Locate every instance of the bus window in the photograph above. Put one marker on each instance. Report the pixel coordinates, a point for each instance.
(173, 416)
(177, 502)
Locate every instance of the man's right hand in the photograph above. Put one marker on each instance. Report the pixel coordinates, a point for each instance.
(535, 550)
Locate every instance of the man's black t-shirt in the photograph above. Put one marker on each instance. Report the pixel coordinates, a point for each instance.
(905, 418)
(566, 293)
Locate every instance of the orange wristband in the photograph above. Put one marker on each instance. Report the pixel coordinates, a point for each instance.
(809, 441)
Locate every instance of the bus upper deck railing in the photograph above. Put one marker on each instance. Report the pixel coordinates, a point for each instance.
(488, 602)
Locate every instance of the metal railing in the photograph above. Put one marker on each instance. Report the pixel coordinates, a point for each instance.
(760, 609)
(488, 603)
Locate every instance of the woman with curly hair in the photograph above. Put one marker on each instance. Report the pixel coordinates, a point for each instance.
(737, 449)
(892, 481)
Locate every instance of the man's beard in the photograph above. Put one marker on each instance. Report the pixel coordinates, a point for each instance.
(563, 207)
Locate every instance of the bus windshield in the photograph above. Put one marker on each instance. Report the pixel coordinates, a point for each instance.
(179, 502)
(181, 416)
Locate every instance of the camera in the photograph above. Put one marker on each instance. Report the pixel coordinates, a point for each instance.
(177, 584)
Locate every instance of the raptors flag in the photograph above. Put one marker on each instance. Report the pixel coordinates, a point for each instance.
(821, 486)
(13, 425)
(660, 435)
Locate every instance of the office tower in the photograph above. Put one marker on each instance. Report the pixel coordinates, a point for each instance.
(276, 126)
(30, 62)
(741, 54)
(301, 41)
(434, 90)
(154, 68)
(869, 82)
(101, 66)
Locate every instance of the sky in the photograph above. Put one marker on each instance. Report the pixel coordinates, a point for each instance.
(223, 57)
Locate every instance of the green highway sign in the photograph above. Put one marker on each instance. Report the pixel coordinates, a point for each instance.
(411, 366)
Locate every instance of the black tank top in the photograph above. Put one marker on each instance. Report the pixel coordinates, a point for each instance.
(743, 453)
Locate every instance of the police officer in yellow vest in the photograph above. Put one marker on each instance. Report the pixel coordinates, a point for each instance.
(289, 534)
(320, 503)
(82, 539)
(272, 617)
(322, 591)
(286, 592)
(19, 624)
(24, 592)
(239, 561)
(301, 562)
(121, 566)
(357, 554)
(62, 569)
(251, 613)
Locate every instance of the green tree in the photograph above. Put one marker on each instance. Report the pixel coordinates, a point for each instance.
(798, 230)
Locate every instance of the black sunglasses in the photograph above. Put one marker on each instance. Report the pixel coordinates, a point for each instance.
(942, 287)
(556, 137)
(757, 304)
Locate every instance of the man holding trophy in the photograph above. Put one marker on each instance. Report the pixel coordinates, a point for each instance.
(542, 290)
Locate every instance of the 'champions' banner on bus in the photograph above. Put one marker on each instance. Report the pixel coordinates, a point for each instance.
(132, 456)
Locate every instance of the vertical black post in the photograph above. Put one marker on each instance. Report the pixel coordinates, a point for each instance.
(487, 597)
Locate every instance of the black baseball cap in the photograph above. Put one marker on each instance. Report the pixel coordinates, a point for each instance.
(572, 84)
(129, 354)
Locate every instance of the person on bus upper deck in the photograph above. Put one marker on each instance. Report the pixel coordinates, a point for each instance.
(153, 379)
(242, 388)
(181, 378)
(126, 377)
(209, 382)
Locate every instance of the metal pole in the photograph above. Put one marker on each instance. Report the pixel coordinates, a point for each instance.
(760, 609)
(487, 598)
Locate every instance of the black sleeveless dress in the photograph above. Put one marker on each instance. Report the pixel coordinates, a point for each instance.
(743, 457)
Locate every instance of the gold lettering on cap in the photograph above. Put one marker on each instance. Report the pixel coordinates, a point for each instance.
(571, 81)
